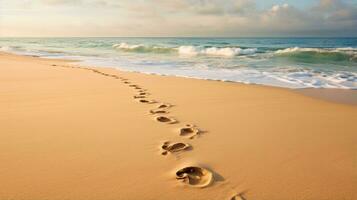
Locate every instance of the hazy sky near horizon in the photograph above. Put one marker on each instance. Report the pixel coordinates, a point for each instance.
(231, 18)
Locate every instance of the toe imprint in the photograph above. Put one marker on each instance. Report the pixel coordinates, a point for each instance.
(195, 176)
(167, 120)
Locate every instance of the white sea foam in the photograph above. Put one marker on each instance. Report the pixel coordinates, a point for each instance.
(215, 51)
(140, 48)
(126, 46)
(347, 50)
(186, 50)
(288, 77)
(6, 48)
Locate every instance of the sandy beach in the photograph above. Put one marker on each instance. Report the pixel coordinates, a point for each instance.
(84, 133)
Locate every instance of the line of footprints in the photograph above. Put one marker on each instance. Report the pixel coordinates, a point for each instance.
(193, 176)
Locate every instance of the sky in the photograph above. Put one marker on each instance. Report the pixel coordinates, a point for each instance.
(182, 18)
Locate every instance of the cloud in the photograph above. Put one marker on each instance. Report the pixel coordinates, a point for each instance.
(85, 3)
(336, 10)
(60, 2)
(217, 7)
(209, 9)
(189, 18)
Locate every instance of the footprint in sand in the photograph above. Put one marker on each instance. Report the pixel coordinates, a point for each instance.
(159, 111)
(169, 147)
(189, 131)
(147, 101)
(135, 87)
(167, 120)
(238, 197)
(164, 105)
(126, 82)
(139, 96)
(114, 76)
(143, 93)
(195, 176)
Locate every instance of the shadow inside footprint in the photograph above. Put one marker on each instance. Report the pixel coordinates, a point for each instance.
(167, 120)
(159, 111)
(189, 131)
(147, 101)
(195, 176)
(164, 105)
(139, 97)
(169, 147)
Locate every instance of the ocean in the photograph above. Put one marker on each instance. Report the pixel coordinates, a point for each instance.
(281, 62)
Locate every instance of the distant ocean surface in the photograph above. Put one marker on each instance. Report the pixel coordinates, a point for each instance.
(282, 62)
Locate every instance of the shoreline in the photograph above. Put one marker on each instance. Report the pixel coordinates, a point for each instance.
(82, 133)
(334, 95)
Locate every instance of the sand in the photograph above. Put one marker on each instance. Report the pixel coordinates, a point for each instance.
(79, 134)
(333, 95)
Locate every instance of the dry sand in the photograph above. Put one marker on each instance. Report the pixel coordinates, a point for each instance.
(78, 134)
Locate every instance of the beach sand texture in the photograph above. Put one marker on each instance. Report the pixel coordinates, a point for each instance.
(77, 133)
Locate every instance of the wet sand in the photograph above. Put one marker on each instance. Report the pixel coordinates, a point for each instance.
(332, 95)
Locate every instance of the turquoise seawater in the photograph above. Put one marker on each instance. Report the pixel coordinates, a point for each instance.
(283, 62)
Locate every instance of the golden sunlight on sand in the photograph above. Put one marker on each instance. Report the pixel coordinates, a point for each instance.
(84, 133)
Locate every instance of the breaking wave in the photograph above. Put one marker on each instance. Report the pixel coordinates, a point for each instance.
(186, 50)
(215, 51)
(318, 55)
(307, 55)
(5, 48)
(139, 48)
